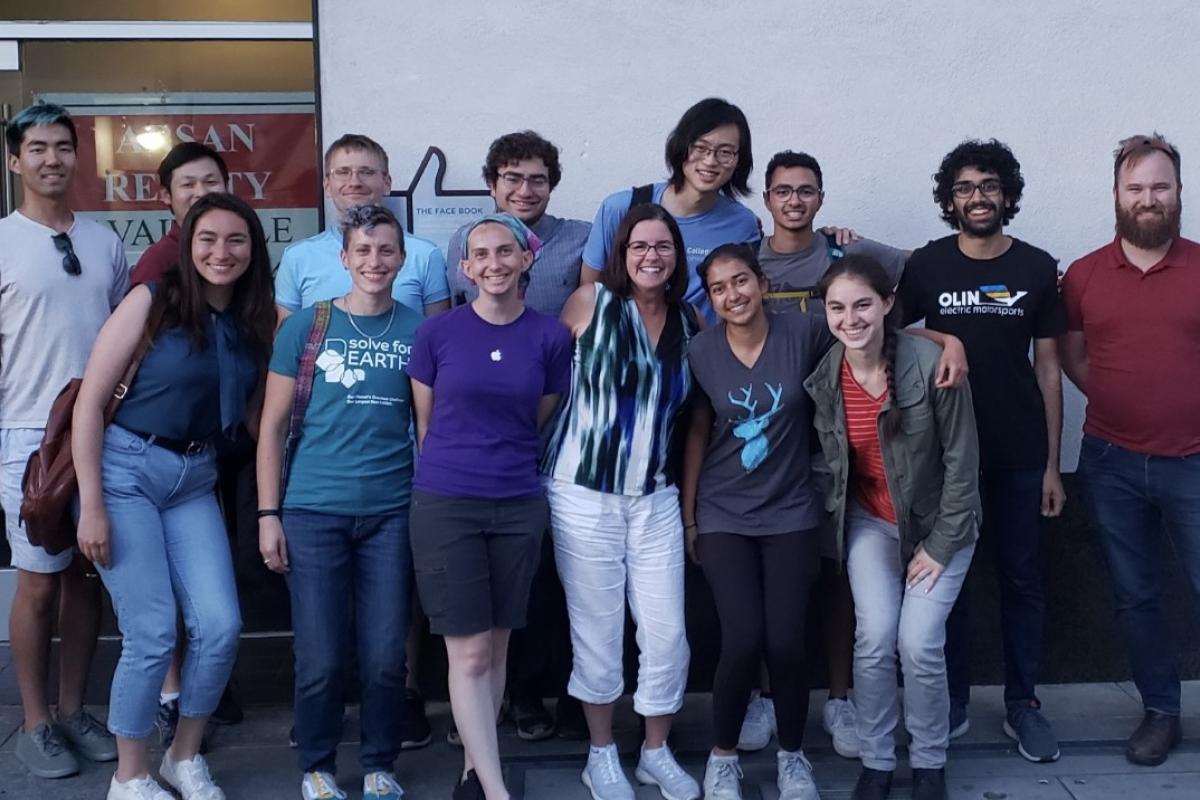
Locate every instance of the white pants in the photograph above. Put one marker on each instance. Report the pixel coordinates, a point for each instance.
(609, 547)
(892, 618)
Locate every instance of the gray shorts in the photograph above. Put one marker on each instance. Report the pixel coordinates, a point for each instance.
(16, 445)
(474, 559)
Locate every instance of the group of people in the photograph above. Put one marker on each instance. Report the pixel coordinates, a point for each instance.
(556, 415)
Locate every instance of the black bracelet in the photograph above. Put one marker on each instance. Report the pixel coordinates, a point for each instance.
(268, 512)
(693, 525)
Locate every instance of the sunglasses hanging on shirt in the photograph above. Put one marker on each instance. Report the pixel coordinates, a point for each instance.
(70, 261)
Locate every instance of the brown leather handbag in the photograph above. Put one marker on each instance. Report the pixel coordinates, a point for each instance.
(49, 486)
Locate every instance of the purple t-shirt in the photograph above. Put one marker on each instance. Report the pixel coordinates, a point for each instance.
(487, 382)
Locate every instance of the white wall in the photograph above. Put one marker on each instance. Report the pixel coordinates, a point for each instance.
(878, 92)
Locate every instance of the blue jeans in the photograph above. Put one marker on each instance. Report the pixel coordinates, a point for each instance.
(1012, 524)
(169, 553)
(1135, 497)
(350, 579)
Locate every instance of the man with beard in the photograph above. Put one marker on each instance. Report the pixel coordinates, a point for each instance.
(1133, 334)
(998, 294)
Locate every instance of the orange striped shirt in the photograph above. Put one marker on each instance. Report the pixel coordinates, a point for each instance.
(867, 476)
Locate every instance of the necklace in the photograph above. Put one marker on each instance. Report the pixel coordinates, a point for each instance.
(361, 332)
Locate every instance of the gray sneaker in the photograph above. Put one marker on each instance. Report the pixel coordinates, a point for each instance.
(45, 754)
(1035, 739)
(88, 737)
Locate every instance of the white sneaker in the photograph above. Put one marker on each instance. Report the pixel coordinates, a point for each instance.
(795, 778)
(137, 789)
(840, 720)
(603, 775)
(659, 768)
(722, 778)
(320, 786)
(381, 785)
(757, 725)
(190, 778)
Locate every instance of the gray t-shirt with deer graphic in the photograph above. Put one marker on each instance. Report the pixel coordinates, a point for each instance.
(756, 479)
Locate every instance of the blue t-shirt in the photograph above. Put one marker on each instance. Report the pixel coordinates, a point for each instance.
(355, 454)
(487, 382)
(312, 270)
(727, 221)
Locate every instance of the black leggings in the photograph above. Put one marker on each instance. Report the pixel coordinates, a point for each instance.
(761, 586)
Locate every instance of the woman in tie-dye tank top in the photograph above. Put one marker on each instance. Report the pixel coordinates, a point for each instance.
(614, 506)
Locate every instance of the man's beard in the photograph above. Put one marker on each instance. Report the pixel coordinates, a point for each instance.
(1149, 231)
(983, 229)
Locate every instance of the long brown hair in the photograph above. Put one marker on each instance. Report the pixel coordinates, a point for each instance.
(180, 300)
(869, 271)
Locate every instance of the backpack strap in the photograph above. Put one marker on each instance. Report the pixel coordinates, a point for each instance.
(642, 194)
(302, 393)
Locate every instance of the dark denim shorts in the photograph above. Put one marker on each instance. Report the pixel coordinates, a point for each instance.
(474, 559)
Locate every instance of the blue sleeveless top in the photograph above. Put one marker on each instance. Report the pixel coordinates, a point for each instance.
(190, 393)
(618, 431)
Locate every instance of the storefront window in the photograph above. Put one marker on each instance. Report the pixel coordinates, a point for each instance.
(252, 101)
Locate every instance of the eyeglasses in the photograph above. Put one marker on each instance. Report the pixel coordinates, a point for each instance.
(725, 154)
(640, 249)
(70, 261)
(345, 173)
(783, 192)
(513, 180)
(965, 189)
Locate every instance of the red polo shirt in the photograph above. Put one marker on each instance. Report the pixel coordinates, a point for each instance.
(158, 258)
(1143, 347)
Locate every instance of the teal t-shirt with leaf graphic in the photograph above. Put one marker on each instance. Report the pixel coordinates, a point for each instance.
(355, 454)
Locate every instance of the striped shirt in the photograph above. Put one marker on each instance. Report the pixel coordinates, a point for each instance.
(866, 457)
(617, 433)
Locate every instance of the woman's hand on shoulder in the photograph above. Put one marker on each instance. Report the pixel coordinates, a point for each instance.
(92, 536)
(577, 311)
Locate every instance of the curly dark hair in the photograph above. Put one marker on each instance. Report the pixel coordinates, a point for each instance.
(517, 147)
(990, 156)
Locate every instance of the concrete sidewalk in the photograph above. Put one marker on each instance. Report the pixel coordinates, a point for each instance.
(252, 760)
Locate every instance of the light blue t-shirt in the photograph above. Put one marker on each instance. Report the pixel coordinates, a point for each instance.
(312, 270)
(728, 221)
(355, 455)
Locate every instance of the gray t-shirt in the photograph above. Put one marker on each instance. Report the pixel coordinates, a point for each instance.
(49, 319)
(756, 478)
(793, 277)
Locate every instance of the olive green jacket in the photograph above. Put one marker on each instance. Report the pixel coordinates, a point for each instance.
(931, 462)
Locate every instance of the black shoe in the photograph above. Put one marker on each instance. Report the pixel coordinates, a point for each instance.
(452, 737)
(414, 725)
(873, 784)
(533, 722)
(228, 711)
(569, 722)
(929, 784)
(165, 721)
(292, 737)
(1157, 735)
(469, 788)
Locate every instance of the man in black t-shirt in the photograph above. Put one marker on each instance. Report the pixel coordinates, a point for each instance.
(998, 295)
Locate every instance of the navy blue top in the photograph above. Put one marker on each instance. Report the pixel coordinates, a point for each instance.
(185, 392)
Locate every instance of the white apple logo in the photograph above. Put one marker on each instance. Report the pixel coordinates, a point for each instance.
(496, 356)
